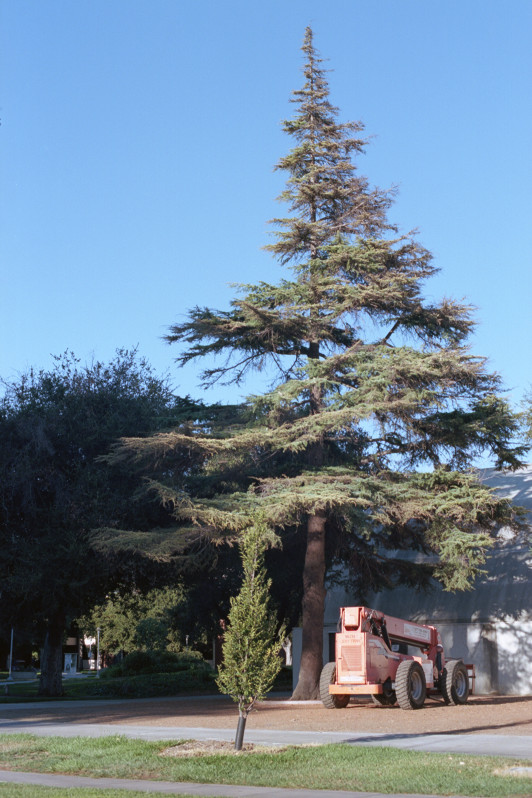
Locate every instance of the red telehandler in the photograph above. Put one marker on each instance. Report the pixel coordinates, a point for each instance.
(373, 657)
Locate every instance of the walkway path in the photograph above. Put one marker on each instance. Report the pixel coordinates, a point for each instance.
(187, 788)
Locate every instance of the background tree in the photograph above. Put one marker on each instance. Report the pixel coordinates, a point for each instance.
(378, 408)
(210, 580)
(251, 647)
(134, 621)
(53, 490)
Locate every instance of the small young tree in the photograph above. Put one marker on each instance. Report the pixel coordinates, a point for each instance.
(251, 646)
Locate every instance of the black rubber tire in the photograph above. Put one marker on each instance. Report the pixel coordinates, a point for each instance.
(410, 685)
(331, 700)
(387, 698)
(454, 682)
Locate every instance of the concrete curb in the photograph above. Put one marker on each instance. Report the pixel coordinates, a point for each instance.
(180, 788)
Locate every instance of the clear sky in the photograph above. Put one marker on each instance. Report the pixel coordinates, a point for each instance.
(138, 141)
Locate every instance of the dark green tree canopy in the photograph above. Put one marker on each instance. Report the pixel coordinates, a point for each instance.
(135, 621)
(379, 408)
(54, 425)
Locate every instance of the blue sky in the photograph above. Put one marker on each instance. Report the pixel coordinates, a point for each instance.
(138, 141)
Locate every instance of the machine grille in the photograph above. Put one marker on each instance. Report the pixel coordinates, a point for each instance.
(351, 658)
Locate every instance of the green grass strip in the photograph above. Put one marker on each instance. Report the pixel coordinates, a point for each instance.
(338, 767)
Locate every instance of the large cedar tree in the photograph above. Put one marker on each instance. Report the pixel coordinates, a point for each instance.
(365, 441)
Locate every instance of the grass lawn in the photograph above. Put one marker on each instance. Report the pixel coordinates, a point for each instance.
(341, 767)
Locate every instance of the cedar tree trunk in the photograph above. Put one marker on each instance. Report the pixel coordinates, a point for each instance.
(51, 683)
(307, 688)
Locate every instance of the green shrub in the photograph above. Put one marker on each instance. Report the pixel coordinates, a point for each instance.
(283, 680)
(112, 671)
(149, 662)
(139, 662)
(196, 679)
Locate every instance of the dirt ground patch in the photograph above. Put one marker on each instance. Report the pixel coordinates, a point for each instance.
(207, 747)
(481, 715)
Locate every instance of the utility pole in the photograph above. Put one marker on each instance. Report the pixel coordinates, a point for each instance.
(98, 652)
(10, 678)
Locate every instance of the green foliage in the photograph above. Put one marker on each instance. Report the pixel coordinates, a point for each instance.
(54, 489)
(137, 662)
(143, 662)
(169, 674)
(251, 648)
(145, 677)
(152, 634)
(196, 678)
(527, 417)
(375, 383)
(135, 620)
(54, 426)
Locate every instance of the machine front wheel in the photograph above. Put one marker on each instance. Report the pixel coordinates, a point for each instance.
(331, 700)
(454, 682)
(410, 685)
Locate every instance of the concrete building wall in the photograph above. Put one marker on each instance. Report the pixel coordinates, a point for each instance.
(489, 626)
(500, 652)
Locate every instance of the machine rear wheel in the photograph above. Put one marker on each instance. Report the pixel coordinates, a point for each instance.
(410, 685)
(454, 682)
(331, 700)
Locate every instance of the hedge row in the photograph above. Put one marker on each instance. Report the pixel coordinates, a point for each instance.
(143, 662)
(152, 685)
